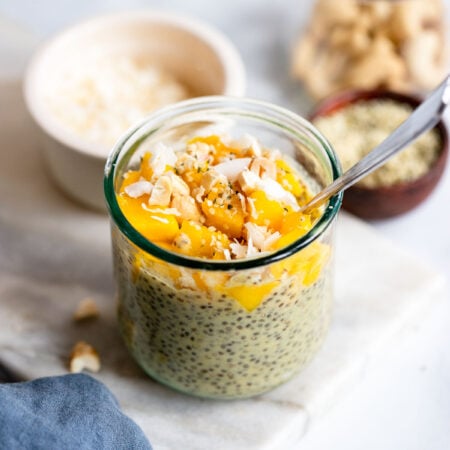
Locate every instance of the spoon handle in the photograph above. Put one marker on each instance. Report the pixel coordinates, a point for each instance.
(424, 117)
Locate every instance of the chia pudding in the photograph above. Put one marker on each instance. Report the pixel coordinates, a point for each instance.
(207, 344)
(231, 333)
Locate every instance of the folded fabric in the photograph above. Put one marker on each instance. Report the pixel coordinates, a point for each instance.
(65, 412)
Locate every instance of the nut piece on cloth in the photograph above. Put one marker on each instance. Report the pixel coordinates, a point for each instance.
(65, 412)
(87, 309)
(366, 45)
(84, 356)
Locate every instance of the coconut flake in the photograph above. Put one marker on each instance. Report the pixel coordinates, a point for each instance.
(169, 211)
(251, 249)
(252, 207)
(138, 189)
(172, 211)
(162, 192)
(243, 204)
(179, 186)
(264, 167)
(198, 193)
(232, 168)
(211, 178)
(248, 181)
(253, 144)
(186, 280)
(238, 250)
(162, 156)
(273, 154)
(270, 240)
(201, 151)
(251, 182)
(261, 237)
(249, 143)
(275, 191)
(160, 219)
(256, 233)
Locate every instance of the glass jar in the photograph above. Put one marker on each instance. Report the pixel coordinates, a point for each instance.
(224, 329)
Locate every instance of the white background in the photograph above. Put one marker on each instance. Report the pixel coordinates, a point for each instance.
(404, 401)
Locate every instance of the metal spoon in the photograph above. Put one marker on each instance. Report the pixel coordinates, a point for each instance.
(424, 117)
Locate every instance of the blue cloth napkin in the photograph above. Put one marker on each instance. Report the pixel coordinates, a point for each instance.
(65, 412)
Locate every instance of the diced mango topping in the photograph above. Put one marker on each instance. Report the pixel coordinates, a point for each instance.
(306, 264)
(288, 179)
(199, 240)
(150, 222)
(250, 296)
(223, 210)
(132, 176)
(267, 212)
(146, 170)
(298, 222)
(222, 200)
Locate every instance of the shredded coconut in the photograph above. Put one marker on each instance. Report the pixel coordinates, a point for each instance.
(138, 189)
(249, 142)
(162, 156)
(227, 254)
(238, 250)
(231, 169)
(101, 100)
(160, 219)
(186, 280)
(275, 191)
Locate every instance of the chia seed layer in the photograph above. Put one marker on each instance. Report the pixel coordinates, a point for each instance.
(206, 343)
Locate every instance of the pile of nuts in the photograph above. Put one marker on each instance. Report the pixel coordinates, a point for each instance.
(397, 45)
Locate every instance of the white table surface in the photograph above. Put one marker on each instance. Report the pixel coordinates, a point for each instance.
(404, 400)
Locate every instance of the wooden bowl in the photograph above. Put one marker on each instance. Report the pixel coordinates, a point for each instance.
(199, 56)
(386, 201)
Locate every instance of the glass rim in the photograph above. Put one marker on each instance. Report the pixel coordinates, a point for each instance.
(266, 109)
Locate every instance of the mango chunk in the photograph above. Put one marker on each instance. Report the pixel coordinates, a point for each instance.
(137, 265)
(223, 210)
(289, 179)
(199, 281)
(146, 169)
(307, 264)
(265, 211)
(198, 240)
(132, 176)
(250, 296)
(316, 264)
(164, 269)
(192, 174)
(143, 259)
(154, 225)
(298, 222)
(208, 281)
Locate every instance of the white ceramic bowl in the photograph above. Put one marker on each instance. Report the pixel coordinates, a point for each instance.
(193, 52)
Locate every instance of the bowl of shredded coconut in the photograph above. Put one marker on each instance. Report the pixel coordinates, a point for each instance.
(355, 122)
(88, 85)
